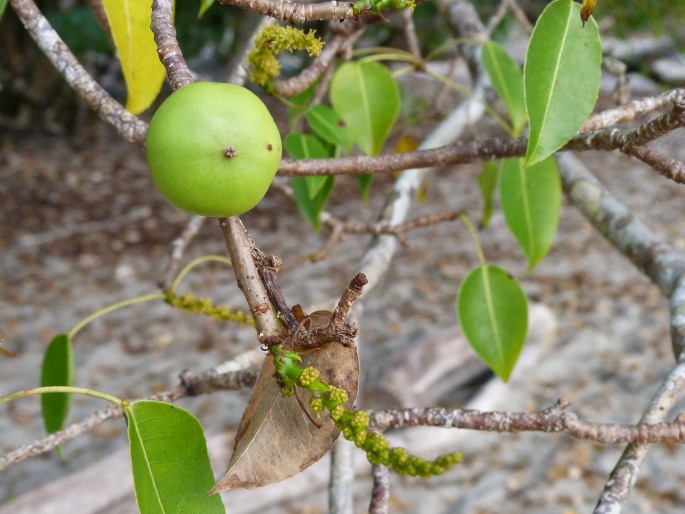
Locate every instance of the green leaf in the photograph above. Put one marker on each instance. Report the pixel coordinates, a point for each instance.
(328, 126)
(3, 5)
(204, 5)
(487, 183)
(311, 193)
(364, 185)
(57, 370)
(507, 79)
(129, 22)
(531, 200)
(302, 146)
(493, 314)
(366, 96)
(561, 77)
(297, 104)
(171, 470)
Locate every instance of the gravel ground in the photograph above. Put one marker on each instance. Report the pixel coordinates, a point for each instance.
(82, 228)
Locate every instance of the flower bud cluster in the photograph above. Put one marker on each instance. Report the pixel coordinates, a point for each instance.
(198, 305)
(352, 424)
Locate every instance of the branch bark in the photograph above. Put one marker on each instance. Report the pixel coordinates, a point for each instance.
(129, 126)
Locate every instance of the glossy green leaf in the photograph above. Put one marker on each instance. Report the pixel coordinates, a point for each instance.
(328, 126)
(311, 193)
(366, 96)
(561, 77)
(129, 22)
(507, 79)
(3, 5)
(171, 470)
(531, 200)
(493, 313)
(487, 183)
(57, 370)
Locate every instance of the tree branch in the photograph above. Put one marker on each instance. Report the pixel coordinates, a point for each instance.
(240, 247)
(628, 141)
(236, 373)
(380, 495)
(624, 475)
(299, 13)
(295, 85)
(129, 126)
(167, 45)
(551, 420)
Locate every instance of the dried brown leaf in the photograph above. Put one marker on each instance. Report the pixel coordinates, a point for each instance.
(275, 439)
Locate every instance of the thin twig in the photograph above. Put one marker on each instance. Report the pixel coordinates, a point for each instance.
(167, 45)
(178, 246)
(624, 475)
(295, 85)
(520, 16)
(341, 482)
(268, 268)
(339, 228)
(551, 420)
(497, 17)
(234, 374)
(410, 36)
(380, 495)
(666, 166)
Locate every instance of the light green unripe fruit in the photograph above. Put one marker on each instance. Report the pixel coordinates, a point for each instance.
(213, 149)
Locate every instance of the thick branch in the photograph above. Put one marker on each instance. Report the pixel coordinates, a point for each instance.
(129, 126)
(660, 262)
(240, 248)
(297, 13)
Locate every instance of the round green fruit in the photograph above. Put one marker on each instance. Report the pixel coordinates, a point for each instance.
(213, 149)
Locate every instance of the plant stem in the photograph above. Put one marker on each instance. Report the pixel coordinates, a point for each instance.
(113, 307)
(186, 269)
(65, 389)
(474, 236)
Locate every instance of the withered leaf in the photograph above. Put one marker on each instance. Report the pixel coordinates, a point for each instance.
(275, 439)
(586, 10)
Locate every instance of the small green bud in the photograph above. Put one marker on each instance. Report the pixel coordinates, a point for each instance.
(316, 405)
(360, 419)
(348, 433)
(308, 376)
(360, 437)
(398, 456)
(375, 443)
(373, 458)
(337, 395)
(337, 412)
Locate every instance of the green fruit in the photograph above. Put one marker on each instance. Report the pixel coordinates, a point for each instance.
(213, 149)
